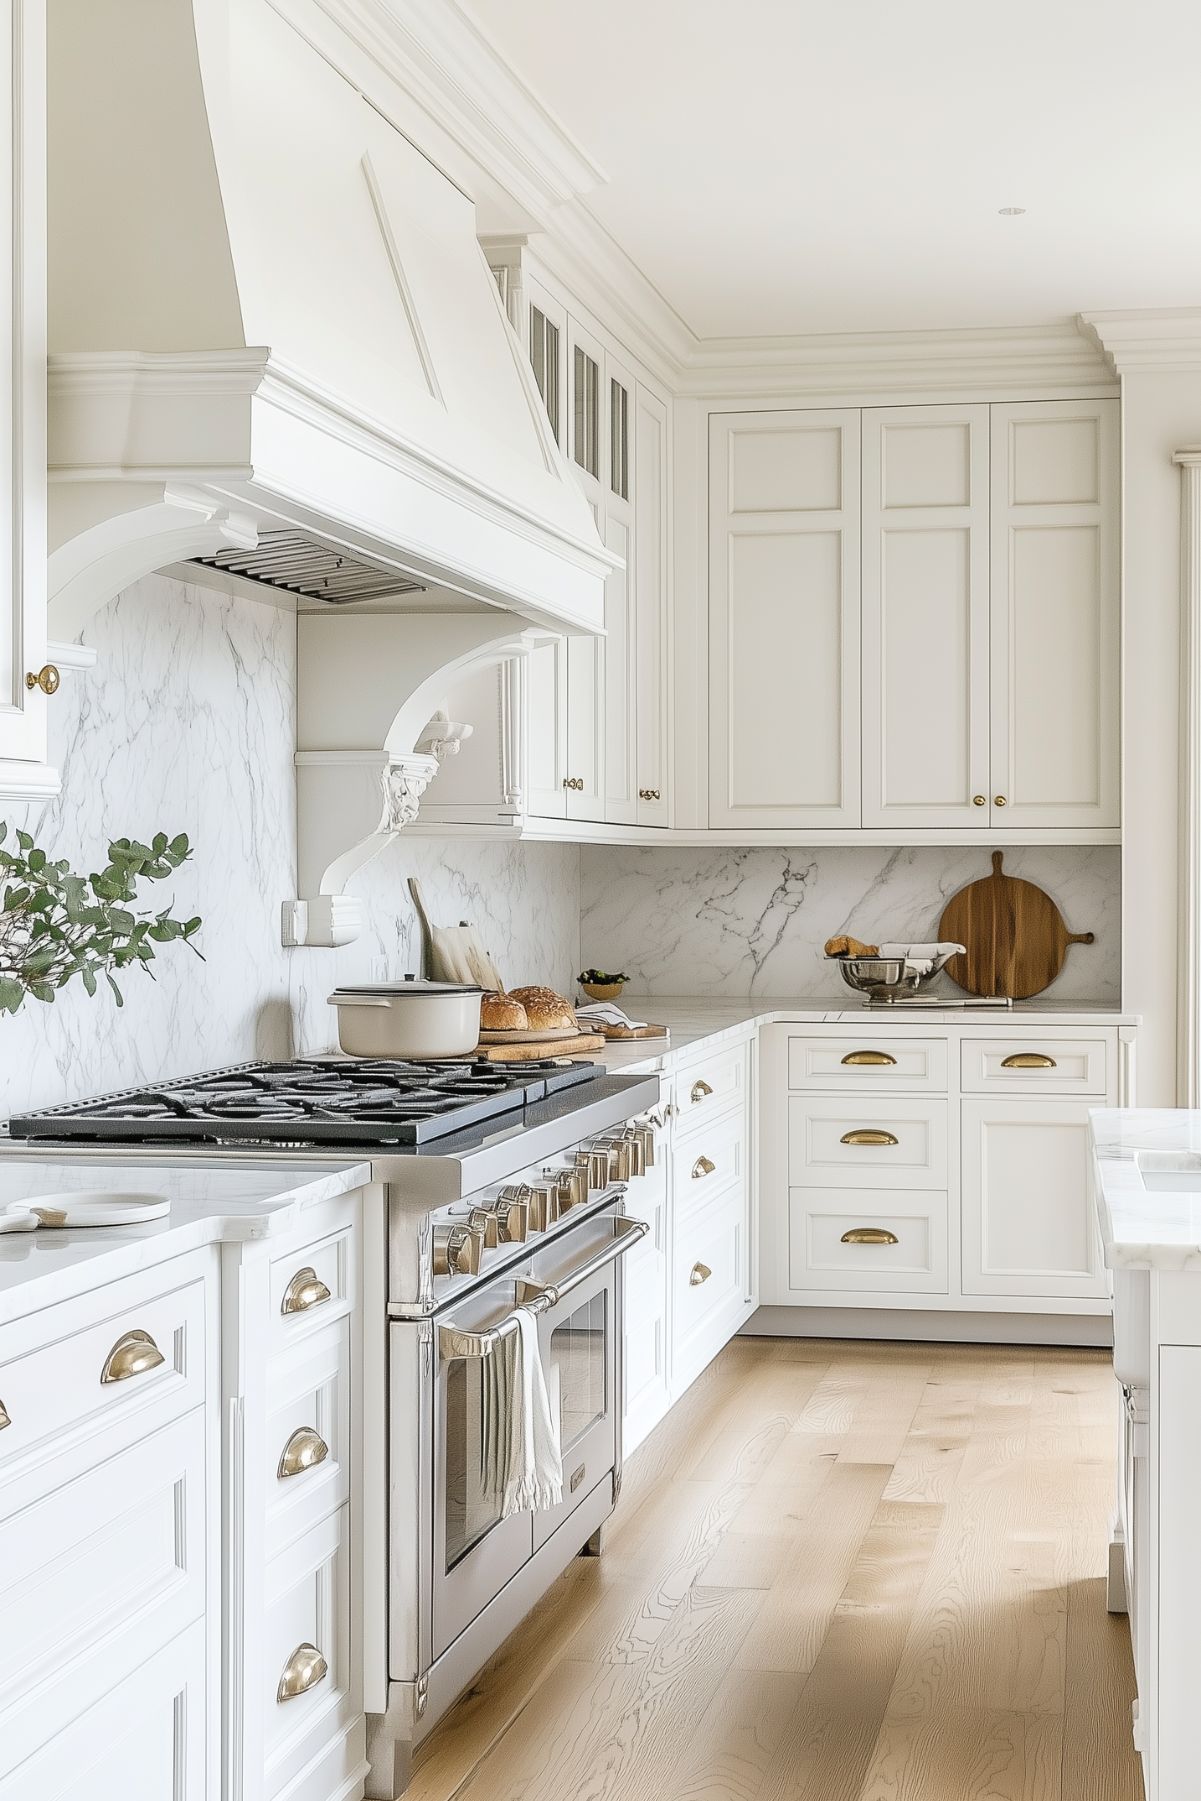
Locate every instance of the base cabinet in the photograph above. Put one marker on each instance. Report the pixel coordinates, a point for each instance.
(1029, 1225)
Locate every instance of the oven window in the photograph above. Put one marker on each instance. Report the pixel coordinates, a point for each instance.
(470, 1510)
(576, 1369)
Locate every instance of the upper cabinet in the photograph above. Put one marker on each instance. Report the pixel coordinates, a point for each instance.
(784, 722)
(26, 678)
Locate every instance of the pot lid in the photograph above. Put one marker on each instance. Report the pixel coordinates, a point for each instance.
(407, 985)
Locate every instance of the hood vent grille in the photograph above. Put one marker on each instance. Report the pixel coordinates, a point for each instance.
(298, 565)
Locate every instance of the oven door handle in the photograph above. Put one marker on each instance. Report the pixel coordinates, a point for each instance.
(540, 1297)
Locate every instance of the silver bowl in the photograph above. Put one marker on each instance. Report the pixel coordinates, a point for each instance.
(889, 978)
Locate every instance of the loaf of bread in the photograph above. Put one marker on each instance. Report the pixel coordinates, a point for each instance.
(501, 1013)
(850, 947)
(544, 1009)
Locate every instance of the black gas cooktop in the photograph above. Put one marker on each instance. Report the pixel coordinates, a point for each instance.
(334, 1101)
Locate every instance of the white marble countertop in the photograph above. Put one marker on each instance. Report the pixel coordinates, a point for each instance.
(209, 1203)
(697, 1024)
(1142, 1226)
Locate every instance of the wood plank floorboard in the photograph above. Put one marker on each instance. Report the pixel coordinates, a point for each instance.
(839, 1571)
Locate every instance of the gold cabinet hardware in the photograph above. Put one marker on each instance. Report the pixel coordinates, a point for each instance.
(869, 1235)
(868, 1135)
(304, 1670)
(133, 1354)
(649, 794)
(700, 1272)
(704, 1166)
(46, 678)
(5, 1417)
(869, 1060)
(700, 1092)
(1028, 1060)
(979, 800)
(998, 800)
(305, 1290)
(574, 782)
(577, 1476)
(304, 1451)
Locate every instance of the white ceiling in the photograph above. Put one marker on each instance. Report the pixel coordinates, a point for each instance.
(781, 166)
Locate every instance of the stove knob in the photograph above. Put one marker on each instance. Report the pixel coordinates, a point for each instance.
(458, 1250)
(620, 1160)
(593, 1159)
(645, 1133)
(543, 1206)
(637, 1152)
(510, 1220)
(573, 1188)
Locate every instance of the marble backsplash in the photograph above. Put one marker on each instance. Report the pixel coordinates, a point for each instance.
(738, 922)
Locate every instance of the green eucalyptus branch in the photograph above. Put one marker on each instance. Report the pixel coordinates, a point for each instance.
(56, 925)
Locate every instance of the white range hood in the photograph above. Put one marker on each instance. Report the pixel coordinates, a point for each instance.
(278, 356)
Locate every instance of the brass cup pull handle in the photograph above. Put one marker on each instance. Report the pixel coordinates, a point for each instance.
(1028, 1060)
(700, 1272)
(304, 1670)
(868, 1135)
(5, 1417)
(700, 1092)
(305, 1290)
(869, 1235)
(304, 1451)
(132, 1355)
(704, 1166)
(46, 678)
(869, 1060)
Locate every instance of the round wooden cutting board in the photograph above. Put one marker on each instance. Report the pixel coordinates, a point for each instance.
(1015, 936)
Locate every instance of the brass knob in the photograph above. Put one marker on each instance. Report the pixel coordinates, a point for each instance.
(5, 1417)
(573, 1188)
(868, 1135)
(304, 1670)
(700, 1092)
(544, 1206)
(869, 1060)
(1028, 1060)
(869, 1235)
(700, 1272)
(979, 800)
(132, 1355)
(305, 1290)
(998, 800)
(47, 679)
(304, 1451)
(704, 1166)
(458, 1250)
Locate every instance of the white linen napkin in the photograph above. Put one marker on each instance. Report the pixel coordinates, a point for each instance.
(522, 1458)
(606, 1013)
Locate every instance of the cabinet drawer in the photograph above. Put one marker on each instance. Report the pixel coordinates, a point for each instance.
(307, 1680)
(866, 1064)
(131, 1355)
(707, 1087)
(710, 1159)
(98, 1575)
(1036, 1065)
(305, 1451)
(842, 1142)
(867, 1239)
(311, 1286)
(709, 1281)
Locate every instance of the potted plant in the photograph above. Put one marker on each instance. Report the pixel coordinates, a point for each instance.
(56, 924)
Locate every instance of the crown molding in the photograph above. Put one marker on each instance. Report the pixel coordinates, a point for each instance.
(1156, 340)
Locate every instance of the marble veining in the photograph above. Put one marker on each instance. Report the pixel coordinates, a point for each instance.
(752, 921)
(1143, 1227)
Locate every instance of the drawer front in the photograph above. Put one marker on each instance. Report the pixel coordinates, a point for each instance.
(305, 1450)
(1028, 1065)
(307, 1680)
(841, 1142)
(98, 1575)
(143, 1357)
(868, 1065)
(712, 1158)
(868, 1240)
(311, 1286)
(709, 1087)
(143, 1740)
(709, 1283)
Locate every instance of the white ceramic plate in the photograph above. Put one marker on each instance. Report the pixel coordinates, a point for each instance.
(90, 1207)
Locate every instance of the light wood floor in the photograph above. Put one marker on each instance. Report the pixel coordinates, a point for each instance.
(838, 1572)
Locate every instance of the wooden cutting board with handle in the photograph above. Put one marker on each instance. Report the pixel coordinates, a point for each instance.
(1015, 936)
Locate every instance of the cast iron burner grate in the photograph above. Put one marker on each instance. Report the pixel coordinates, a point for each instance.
(367, 1102)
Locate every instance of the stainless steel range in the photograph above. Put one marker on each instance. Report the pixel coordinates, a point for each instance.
(503, 1189)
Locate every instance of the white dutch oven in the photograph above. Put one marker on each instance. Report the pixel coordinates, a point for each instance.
(408, 1019)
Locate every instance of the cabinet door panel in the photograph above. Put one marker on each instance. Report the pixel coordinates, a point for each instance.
(1028, 1222)
(1055, 614)
(586, 727)
(925, 616)
(617, 661)
(651, 607)
(784, 620)
(546, 729)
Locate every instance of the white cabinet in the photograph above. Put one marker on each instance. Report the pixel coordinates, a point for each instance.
(784, 727)
(925, 617)
(645, 1373)
(652, 638)
(1028, 1221)
(22, 407)
(1055, 613)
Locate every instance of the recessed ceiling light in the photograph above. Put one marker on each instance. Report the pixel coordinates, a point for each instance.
(1010, 212)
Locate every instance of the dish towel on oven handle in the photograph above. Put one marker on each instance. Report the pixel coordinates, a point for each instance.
(523, 1460)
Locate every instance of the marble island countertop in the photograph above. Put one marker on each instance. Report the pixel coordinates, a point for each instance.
(208, 1204)
(1148, 1186)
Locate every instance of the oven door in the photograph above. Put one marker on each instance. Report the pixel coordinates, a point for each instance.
(573, 1288)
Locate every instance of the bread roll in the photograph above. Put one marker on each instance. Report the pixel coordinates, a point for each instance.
(501, 1013)
(545, 1010)
(850, 947)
